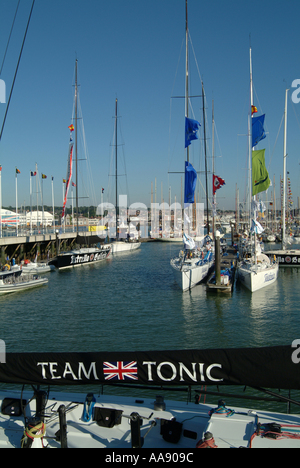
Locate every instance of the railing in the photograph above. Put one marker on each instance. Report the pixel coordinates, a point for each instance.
(21, 232)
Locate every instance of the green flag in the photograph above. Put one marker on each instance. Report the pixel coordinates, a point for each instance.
(260, 175)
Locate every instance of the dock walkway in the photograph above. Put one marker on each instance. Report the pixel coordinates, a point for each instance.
(228, 260)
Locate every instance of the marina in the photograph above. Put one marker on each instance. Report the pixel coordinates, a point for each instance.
(178, 328)
(160, 317)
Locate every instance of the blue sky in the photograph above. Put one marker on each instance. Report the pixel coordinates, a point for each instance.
(134, 50)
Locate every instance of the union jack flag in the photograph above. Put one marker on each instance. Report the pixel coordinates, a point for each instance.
(120, 370)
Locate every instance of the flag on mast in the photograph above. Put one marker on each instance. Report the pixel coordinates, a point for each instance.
(69, 173)
(191, 129)
(189, 183)
(260, 175)
(258, 131)
(217, 183)
(256, 227)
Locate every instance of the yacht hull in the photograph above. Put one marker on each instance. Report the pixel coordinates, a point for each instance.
(256, 277)
(80, 257)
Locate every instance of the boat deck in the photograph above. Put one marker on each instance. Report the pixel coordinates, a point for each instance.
(123, 422)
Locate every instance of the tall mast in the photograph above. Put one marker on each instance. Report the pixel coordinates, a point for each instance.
(186, 69)
(250, 137)
(284, 172)
(76, 159)
(250, 153)
(213, 167)
(116, 155)
(204, 135)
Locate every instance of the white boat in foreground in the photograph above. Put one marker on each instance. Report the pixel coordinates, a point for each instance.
(193, 264)
(22, 282)
(130, 423)
(255, 275)
(256, 270)
(36, 418)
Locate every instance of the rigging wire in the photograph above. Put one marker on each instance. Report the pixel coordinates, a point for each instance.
(86, 158)
(276, 140)
(13, 83)
(112, 169)
(124, 162)
(11, 30)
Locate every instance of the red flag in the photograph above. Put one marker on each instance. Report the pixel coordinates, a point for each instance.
(68, 179)
(217, 183)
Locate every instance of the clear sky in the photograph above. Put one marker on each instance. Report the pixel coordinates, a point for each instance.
(134, 50)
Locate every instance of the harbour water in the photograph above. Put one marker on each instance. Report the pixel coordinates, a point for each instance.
(131, 302)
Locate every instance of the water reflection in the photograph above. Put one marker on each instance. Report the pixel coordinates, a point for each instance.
(132, 303)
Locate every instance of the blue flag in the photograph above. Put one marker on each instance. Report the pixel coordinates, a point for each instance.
(191, 128)
(189, 183)
(258, 132)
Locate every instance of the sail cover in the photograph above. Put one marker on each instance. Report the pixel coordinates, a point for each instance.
(270, 367)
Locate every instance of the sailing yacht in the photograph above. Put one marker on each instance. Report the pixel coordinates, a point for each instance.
(126, 243)
(286, 257)
(256, 270)
(195, 262)
(81, 256)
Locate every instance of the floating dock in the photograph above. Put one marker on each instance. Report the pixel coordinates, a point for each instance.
(228, 265)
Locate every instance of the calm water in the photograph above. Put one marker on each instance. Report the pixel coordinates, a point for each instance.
(131, 302)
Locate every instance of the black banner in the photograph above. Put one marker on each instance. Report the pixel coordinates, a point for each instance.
(271, 367)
